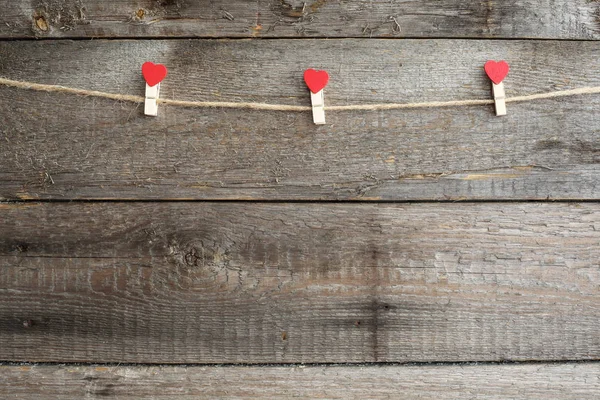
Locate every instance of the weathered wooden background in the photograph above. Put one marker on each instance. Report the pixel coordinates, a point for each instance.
(252, 238)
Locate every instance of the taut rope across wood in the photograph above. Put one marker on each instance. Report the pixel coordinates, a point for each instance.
(285, 107)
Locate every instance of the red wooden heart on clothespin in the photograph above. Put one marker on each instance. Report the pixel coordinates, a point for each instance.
(497, 71)
(316, 80)
(153, 73)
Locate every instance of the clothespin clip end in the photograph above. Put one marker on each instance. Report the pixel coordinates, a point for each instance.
(151, 101)
(318, 107)
(499, 98)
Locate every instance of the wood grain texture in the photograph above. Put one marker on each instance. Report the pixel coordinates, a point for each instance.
(537, 381)
(63, 146)
(269, 283)
(550, 19)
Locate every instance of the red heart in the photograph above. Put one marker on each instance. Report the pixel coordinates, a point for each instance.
(497, 71)
(316, 80)
(153, 73)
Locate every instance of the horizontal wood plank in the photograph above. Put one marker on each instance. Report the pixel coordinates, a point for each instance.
(549, 19)
(271, 283)
(64, 146)
(537, 381)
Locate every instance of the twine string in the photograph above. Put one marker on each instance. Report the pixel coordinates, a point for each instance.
(285, 107)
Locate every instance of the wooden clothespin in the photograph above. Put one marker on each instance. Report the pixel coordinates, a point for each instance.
(316, 82)
(153, 74)
(497, 71)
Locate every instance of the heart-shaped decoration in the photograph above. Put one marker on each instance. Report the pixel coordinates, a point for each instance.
(497, 71)
(316, 80)
(153, 73)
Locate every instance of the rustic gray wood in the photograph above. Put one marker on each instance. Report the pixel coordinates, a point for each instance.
(534, 381)
(240, 282)
(550, 19)
(63, 146)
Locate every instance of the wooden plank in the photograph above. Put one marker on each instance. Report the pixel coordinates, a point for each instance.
(274, 282)
(63, 146)
(549, 19)
(533, 381)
